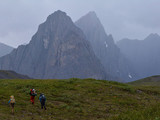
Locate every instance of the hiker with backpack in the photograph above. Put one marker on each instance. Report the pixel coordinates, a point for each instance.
(12, 103)
(42, 100)
(32, 94)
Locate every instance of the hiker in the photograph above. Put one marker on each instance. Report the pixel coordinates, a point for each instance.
(12, 103)
(42, 100)
(33, 94)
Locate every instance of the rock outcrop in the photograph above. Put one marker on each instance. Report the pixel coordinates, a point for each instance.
(59, 50)
(105, 49)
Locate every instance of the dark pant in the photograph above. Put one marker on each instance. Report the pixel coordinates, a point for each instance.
(43, 105)
(12, 105)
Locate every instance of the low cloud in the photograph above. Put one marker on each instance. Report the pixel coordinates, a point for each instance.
(123, 18)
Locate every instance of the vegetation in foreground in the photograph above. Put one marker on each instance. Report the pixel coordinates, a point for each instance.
(76, 99)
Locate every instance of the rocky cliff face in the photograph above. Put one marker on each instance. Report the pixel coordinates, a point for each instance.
(105, 48)
(144, 54)
(59, 50)
(5, 49)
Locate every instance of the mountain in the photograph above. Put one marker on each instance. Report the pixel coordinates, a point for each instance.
(58, 50)
(11, 75)
(105, 48)
(144, 54)
(149, 81)
(5, 49)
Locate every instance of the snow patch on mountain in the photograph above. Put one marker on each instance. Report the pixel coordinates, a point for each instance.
(46, 42)
(129, 76)
(106, 44)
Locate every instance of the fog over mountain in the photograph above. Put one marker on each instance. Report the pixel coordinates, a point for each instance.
(105, 48)
(121, 18)
(97, 33)
(144, 54)
(5, 49)
(58, 50)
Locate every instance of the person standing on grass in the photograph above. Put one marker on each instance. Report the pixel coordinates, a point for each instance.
(12, 103)
(32, 94)
(42, 100)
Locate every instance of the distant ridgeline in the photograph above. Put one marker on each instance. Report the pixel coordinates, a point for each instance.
(144, 55)
(11, 75)
(5, 49)
(61, 49)
(149, 81)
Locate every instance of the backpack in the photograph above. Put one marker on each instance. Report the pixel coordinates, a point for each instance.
(12, 100)
(30, 92)
(43, 98)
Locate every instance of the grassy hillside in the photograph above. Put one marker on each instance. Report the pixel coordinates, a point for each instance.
(149, 81)
(76, 99)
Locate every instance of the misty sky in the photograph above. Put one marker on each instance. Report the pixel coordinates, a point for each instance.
(122, 18)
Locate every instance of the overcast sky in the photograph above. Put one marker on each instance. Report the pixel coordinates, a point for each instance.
(122, 18)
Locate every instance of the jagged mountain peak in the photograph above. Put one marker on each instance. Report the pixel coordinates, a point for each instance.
(92, 14)
(55, 28)
(59, 49)
(57, 19)
(90, 24)
(58, 15)
(58, 12)
(152, 36)
(91, 19)
(104, 46)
